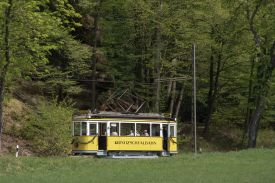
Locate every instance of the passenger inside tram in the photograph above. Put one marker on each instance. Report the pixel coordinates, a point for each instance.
(131, 133)
(145, 133)
(114, 133)
(143, 129)
(114, 129)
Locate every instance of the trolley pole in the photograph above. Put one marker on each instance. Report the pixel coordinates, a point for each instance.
(194, 99)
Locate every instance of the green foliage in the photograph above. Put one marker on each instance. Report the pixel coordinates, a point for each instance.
(266, 139)
(33, 34)
(49, 129)
(42, 47)
(66, 65)
(65, 11)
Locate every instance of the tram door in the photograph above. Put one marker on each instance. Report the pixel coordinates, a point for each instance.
(172, 140)
(165, 136)
(102, 136)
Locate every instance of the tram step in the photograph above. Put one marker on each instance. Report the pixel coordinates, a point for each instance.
(101, 153)
(165, 153)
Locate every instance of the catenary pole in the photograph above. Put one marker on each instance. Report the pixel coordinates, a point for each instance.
(194, 99)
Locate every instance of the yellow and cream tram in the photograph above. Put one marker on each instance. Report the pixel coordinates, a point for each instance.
(119, 134)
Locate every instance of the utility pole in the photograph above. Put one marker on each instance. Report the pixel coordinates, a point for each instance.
(194, 98)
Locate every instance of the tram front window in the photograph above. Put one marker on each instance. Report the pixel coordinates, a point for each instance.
(143, 129)
(92, 129)
(127, 129)
(114, 129)
(77, 129)
(84, 129)
(155, 130)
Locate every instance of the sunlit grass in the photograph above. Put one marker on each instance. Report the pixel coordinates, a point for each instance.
(244, 166)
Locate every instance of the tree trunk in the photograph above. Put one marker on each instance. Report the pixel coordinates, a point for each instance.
(210, 94)
(213, 90)
(94, 57)
(179, 102)
(173, 98)
(262, 79)
(6, 66)
(254, 124)
(249, 101)
(169, 88)
(158, 62)
(158, 57)
(256, 115)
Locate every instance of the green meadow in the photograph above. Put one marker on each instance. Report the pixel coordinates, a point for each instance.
(244, 166)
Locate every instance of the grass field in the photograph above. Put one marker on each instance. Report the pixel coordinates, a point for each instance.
(236, 167)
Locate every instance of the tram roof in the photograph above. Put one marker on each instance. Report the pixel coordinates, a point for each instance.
(107, 114)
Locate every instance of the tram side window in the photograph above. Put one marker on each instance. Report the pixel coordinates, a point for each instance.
(155, 130)
(114, 129)
(92, 129)
(143, 129)
(172, 131)
(127, 129)
(84, 129)
(77, 129)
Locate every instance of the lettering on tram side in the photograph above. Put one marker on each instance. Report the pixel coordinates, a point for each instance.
(136, 142)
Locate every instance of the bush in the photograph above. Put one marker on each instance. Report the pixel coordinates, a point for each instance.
(266, 138)
(49, 130)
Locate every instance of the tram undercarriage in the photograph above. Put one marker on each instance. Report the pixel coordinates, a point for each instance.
(123, 154)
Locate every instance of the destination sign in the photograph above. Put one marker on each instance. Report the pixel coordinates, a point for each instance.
(136, 142)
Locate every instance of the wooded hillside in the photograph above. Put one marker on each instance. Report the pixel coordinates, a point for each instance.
(79, 53)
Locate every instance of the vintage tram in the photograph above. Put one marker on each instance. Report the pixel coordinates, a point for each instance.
(124, 134)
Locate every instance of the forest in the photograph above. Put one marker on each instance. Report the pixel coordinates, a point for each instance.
(61, 56)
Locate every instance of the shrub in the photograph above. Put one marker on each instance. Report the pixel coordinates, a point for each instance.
(49, 129)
